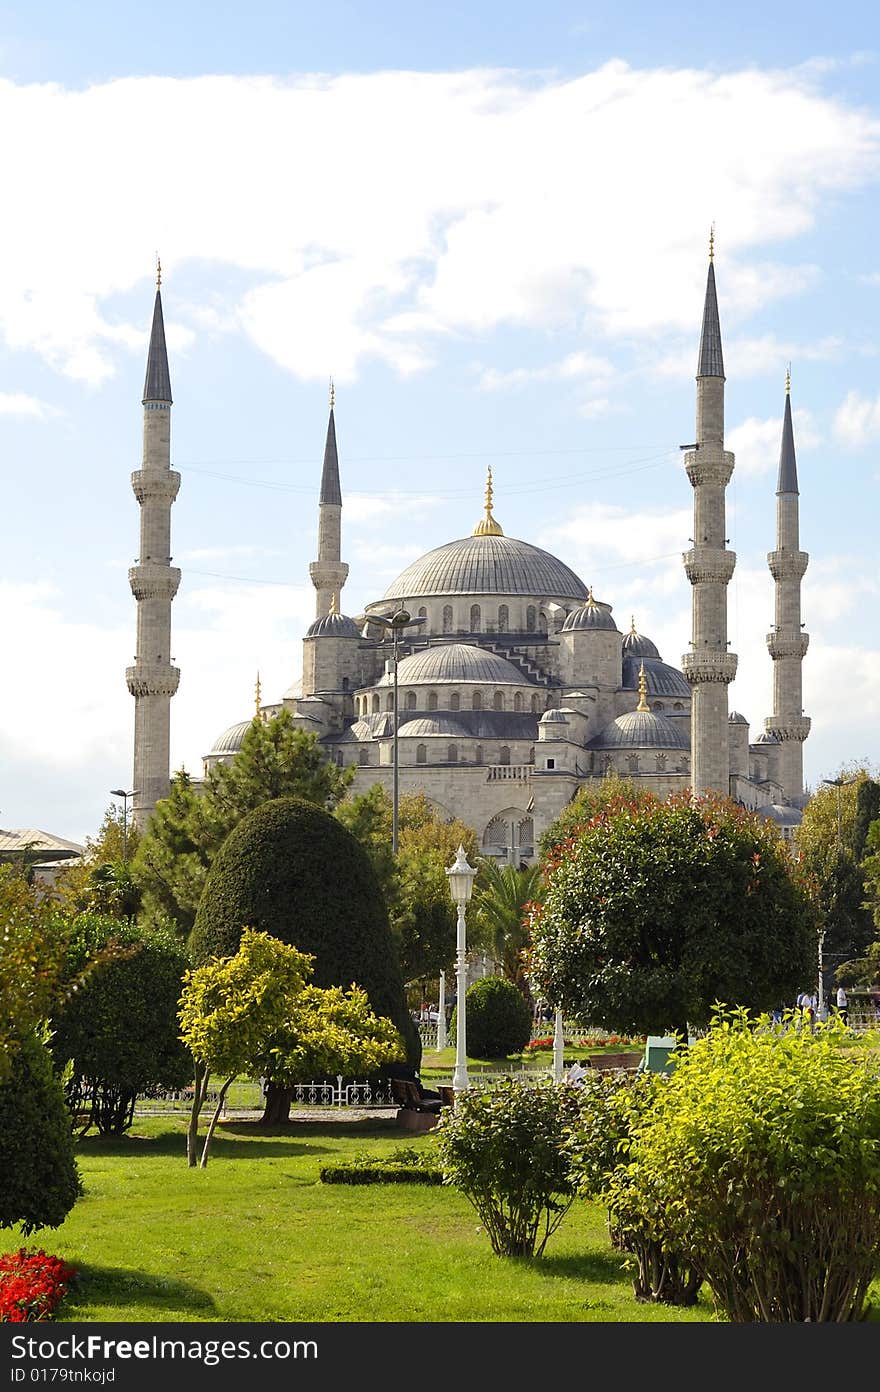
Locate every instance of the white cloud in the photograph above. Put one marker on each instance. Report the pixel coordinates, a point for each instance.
(365, 509)
(476, 210)
(857, 420)
(622, 552)
(756, 443)
(744, 357)
(20, 404)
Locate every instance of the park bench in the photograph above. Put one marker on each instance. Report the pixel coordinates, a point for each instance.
(613, 1063)
(415, 1112)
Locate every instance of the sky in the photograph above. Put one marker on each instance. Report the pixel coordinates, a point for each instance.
(489, 224)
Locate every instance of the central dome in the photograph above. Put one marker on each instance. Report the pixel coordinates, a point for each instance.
(488, 565)
(455, 662)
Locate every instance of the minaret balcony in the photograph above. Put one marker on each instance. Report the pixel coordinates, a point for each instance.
(707, 666)
(787, 565)
(787, 644)
(155, 485)
(153, 581)
(152, 679)
(709, 465)
(787, 728)
(709, 565)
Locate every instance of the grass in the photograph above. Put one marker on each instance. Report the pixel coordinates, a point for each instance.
(256, 1237)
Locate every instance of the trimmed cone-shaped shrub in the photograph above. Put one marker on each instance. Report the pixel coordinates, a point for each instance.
(39, 1181)
(498, 1021)
(292, 870)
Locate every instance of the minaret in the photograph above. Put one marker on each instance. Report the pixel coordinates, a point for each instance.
(709, 667)
(152, 680)
(788, 643)
(329, 572)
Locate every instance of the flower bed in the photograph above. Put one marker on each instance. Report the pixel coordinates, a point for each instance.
(32, 1286)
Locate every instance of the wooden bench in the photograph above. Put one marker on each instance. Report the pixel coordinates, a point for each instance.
(614, 1063)
(415, 1112)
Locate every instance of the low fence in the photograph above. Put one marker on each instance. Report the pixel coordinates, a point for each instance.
(247, 1096)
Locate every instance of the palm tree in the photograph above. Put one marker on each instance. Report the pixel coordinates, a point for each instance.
(500, 914)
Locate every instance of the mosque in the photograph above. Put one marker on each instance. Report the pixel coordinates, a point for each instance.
(512, 682)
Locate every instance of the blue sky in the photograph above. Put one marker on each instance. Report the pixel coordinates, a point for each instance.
(490, 224)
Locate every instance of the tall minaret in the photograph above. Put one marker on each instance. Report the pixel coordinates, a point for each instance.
(152, 680)
(329, 572)
(709, 667)
(788, 643)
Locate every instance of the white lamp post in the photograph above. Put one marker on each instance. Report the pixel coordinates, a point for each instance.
(461, 884)
(558, 1048)
(441, 1014)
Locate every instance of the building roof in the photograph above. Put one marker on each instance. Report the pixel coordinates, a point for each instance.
(590, 615)
(465, 724)
(488, 565)
(635, 644)
(782, 816)
(425, 726)
(660, 678)
(29, 839)
(157, 383)
(736, 719)
(643, 730)
(230, 741)
(330, 490)
(787, 480)
(710, 362)
(455, 662)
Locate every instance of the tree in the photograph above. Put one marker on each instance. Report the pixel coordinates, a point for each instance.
(189, 827)
(101, 880)
(504, 897)
(40, 1179)
(118, 1030)
(31, 957)
(832, 844)
(592, 800)
(292, 870)
(653, 913)
(330, 1033)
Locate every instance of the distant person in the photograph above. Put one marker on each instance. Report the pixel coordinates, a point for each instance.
(575, 1074)
(842, 1004)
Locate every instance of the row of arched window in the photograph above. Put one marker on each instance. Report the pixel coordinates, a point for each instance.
(479, 700)
(495, 620)
(450, 755)
(634, 764)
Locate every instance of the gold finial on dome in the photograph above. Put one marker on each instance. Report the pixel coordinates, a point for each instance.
(712, 242)
(643, 690)
(332, 394)
(487, 526)
(590, 599)
(632, 625)
(257, 690)
(158, 272)
(334, 604)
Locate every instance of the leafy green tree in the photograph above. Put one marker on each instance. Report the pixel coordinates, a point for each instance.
(499, 1023)
(504, 1150)
(292, 870)
(101, 880)
(118, 1030)
(231, 1010)
(832, 842)
(592, 800)
(31, 959)
(500, 913)
(40, 1181)
(653, 913)
(330, 1032)
(189, 827)
(758, 1158)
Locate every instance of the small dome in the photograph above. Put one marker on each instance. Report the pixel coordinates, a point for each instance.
(426, 726)
(766, 738)
(455, 662)
(660, 678)
(590, 615)
(553, 716)
(231, 740)
(736, 719)
(782, 816)
(333, 626)
(360, 730)
(643, 730)
(635, 644)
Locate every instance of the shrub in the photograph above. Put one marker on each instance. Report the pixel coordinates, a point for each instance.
(403, 1166)
(32, 1286)
(504, 1150)
(760, 1159)
(499, 1022)
(40, 1181)
(292, 870)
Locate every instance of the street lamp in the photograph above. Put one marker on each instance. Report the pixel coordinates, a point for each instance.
(121, 793)
(398, 621)
(461, 884)
(839, 783)
(821, 1002)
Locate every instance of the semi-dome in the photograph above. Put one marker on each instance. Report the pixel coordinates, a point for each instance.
(554, 716)
(426, 726)
(736, 719)
(635, 644)
(643, 730)
(590, 615)
(455, 662)
(333, 626)
(230, 741)
(488, 565)
(660, 678)
(766, 737)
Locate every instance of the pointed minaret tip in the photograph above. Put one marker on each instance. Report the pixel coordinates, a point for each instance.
(487, 526)
(332, 394)
(331, 491)
(712, 242)
(157, 383)
(643, 691)
(788, 380)
(710, 361)
(158, 272)
(787, 479)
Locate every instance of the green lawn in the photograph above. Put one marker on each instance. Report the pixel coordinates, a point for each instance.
(258, 1237)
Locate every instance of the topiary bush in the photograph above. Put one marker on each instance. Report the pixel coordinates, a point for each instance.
(504, 1150)
(405, 1165)
(498, 1021)
(39, 1180)
(760, 1160)
(292, 870)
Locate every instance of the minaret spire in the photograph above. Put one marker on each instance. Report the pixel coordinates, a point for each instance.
(487, 526)
(788, 642)
(153, 680)
(709, 667)
(329, 572)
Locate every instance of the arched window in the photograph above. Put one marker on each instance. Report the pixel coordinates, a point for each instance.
(661, 763)
(476, 701)
(452, 754)
(498, 700)
(542, 622)
(478, 754)
(503, 618)
(532, 755)
(447, 618)
(363, 757)
(475, 618)
(632, 763)
(345, 683)
(504, 754)
(389, 701)
(517, 701)
(455, 701)
(432, 700)
(657, 705)
(410, 700)
(421, 754)
(531, 616)
(678, 705)
(423, 613)
(376, 702)
(534, 705)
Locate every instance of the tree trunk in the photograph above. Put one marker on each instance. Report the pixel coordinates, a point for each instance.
(277, 1109)
(214, 1119)
(200, 1088)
